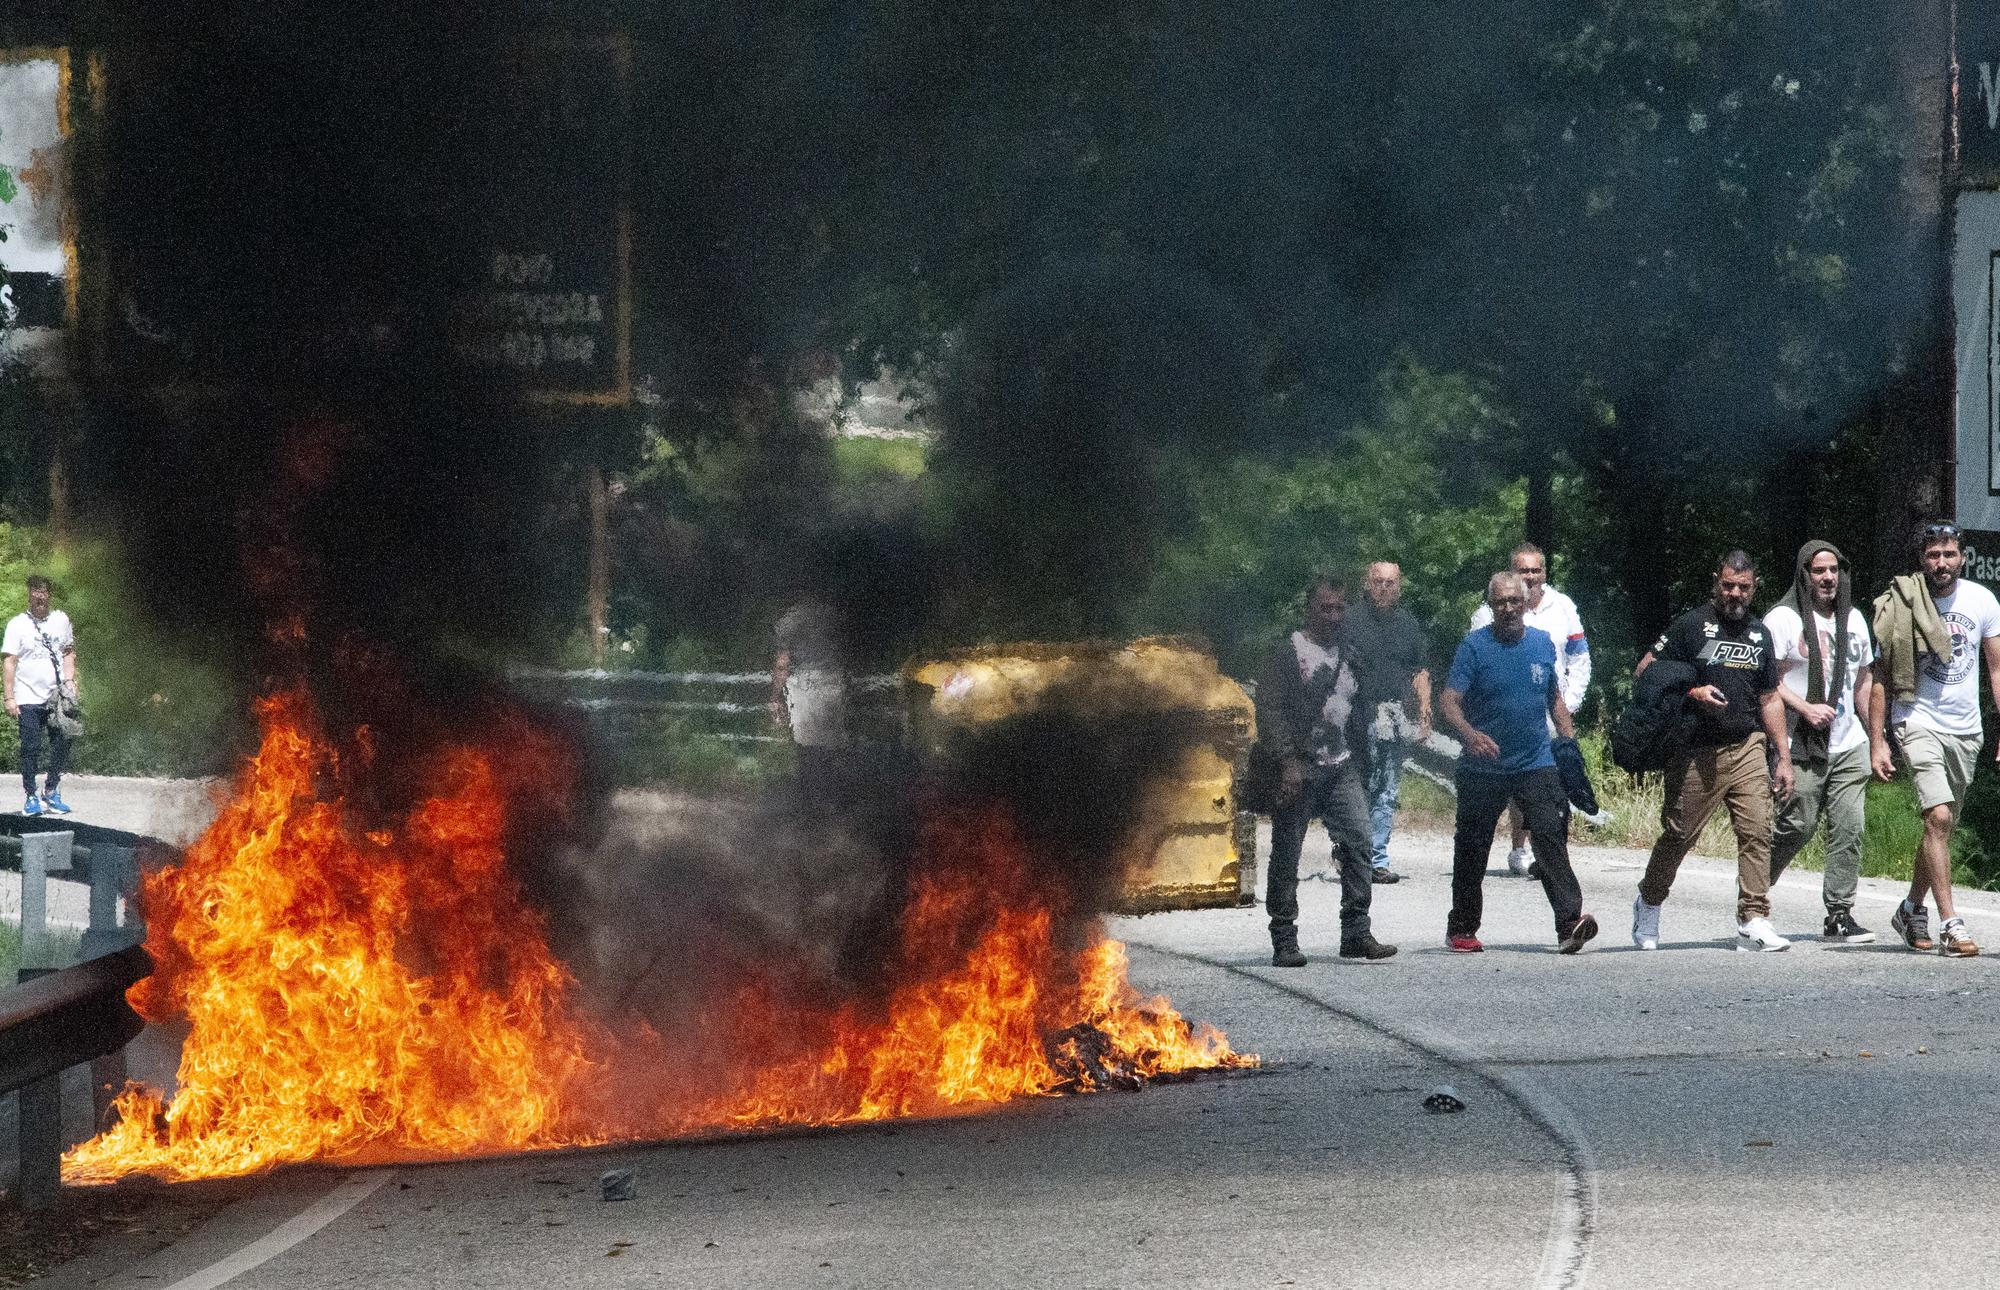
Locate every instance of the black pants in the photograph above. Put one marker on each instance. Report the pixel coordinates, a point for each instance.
(1481, 799)
(1334, 798)
(34, 722)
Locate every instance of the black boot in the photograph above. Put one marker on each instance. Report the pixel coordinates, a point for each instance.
(1285, 946)
(1365, 946)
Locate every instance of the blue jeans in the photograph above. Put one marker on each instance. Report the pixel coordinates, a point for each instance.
(1385, 784)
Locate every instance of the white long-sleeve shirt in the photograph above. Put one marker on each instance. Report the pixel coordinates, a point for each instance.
(1557, 616)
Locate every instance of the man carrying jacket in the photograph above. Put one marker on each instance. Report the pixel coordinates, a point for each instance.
(1738, 716)
(1306, 726)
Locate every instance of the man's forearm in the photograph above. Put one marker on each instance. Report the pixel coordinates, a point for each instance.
(1559, 714)
(1774, 724)
(1878, 704)
(1421, 683)
(1454, 715)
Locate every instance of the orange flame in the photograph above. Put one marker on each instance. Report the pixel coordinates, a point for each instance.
(392, 995)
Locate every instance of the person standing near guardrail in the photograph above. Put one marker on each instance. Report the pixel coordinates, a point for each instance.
(809, 690)
(1391, 659)
(1738, 717)
(1501, 698)
(38, 664)
(1552, 612)
(1308, 735)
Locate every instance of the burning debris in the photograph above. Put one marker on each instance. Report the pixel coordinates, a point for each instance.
(359, 992)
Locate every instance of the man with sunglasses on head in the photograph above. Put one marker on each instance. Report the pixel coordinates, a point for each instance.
(1550, 611)
(1738, 716)
(1933, 629)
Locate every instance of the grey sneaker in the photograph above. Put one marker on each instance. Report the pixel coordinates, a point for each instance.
(1913, 924)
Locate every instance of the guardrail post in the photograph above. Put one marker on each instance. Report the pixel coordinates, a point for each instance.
(41, 855)
(41, 1142)
(114, 875)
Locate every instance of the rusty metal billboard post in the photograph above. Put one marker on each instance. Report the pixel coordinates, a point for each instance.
(48, 1025)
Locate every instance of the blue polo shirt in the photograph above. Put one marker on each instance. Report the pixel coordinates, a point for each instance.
(1506, 689)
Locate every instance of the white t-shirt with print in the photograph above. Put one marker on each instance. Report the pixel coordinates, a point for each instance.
(1329, 733)
(35, 667)
(1947, 698)
(1788, 647)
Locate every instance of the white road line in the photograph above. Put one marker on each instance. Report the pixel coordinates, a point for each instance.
(1565, 1261)
(351, 1192)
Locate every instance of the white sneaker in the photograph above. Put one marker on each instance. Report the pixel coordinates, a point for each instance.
(1645, 924)
(1759, 936)
(1601, 820)
(1518, 861)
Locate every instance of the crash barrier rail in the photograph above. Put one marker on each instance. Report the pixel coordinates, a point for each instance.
(734, 707)
(46, 1028)
(48, 1024)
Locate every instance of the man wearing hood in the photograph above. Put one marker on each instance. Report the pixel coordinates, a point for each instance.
(1824, 683)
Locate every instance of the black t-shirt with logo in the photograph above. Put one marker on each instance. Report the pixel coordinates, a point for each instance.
(1735, 658)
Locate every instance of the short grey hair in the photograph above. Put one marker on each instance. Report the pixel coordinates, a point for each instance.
(1505, 575)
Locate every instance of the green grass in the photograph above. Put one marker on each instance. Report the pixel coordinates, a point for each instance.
(68, 948)
(863, 458)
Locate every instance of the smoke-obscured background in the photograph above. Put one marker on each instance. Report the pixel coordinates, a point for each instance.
(1182, 307)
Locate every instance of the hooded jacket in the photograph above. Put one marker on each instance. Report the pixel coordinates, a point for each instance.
(1906, 621)
(1824, 677)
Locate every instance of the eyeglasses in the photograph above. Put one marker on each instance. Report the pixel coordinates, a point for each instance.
(1941, 530)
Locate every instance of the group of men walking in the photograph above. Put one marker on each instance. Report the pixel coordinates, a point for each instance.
(1780, 720)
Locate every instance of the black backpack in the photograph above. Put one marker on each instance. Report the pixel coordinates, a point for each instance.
(1653, 726)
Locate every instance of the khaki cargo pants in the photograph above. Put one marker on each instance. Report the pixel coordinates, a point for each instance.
(1699, 780)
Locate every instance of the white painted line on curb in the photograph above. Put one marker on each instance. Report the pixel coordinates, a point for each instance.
(350, 1192)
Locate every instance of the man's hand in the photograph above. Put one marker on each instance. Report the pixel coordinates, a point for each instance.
(1818, 715)
(1708, 697)
(13, 709)
(1291, 778)
(1883, 761)
(778, 718)
(1784, 779)
(1480, 744)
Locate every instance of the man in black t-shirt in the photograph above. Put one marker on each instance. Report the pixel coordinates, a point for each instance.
(1737, 716)
(1391, 655)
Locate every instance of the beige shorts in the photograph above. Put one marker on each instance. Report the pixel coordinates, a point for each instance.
(1940, 765)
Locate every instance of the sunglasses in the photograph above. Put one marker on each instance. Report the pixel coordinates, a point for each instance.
(1941, 530)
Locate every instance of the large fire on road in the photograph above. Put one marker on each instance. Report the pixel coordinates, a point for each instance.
(391, 994)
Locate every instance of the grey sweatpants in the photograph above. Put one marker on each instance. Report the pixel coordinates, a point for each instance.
(1835, 792)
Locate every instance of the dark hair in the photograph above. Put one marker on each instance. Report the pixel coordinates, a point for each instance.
(1331, 581)
(1737, 561)
(36, 582)
(1938, 531)
(1528, 548)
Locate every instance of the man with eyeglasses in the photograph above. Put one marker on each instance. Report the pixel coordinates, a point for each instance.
(1932, 630)
(1501, 699)
(1391, 656)
(1738, 719)
(1550, 611)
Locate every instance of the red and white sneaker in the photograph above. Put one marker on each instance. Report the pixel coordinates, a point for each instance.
(1464, 943)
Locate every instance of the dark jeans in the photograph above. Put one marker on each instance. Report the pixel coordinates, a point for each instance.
(34, 722)
(1334, 798)
(1481, 799)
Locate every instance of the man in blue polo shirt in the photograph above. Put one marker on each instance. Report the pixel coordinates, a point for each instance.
(1501, 698)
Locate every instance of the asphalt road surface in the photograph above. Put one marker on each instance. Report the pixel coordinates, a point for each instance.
(1691, 1117)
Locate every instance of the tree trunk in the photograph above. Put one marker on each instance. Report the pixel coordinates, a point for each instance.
(1540, 520)
(600, 564)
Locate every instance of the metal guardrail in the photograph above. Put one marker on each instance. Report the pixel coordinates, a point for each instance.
(49, 1024)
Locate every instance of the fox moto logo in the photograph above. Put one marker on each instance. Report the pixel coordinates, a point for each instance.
(1732, 654)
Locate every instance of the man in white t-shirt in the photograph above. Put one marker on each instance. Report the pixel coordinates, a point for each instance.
(1932, 630)
(1550, 611)
(39, 647)
(1824, 682)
